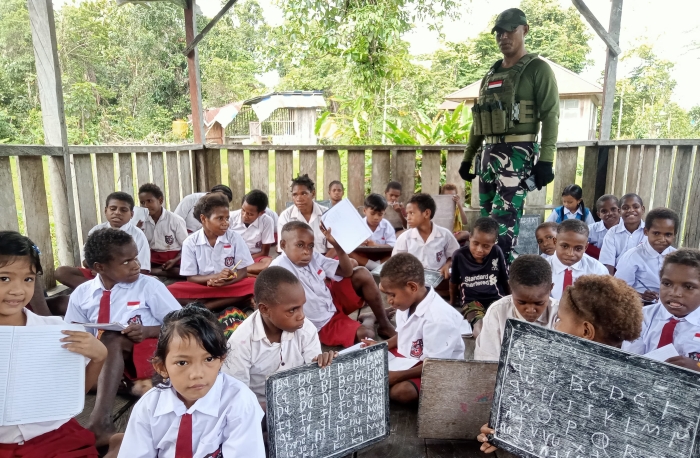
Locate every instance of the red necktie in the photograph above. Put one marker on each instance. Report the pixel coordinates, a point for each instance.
(667, 333)
(104, 315)
(568, 279)
(183, 446)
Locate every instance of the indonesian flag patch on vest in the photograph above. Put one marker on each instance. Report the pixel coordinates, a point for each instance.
(697, 336)
(495, 84)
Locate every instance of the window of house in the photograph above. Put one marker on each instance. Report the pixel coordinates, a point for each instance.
(569, 109)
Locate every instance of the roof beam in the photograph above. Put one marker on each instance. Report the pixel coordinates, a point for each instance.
(597, 27)
(208, 27)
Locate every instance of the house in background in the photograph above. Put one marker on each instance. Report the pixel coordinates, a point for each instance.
(579, 100)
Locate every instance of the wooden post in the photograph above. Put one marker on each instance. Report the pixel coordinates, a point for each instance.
(48, 71)
(236, 173)
(284, 171)
(331, 169)
(356, 177)
(207, 169)
(381, 172)
(194, 76)
(610, 71)
(8, 207)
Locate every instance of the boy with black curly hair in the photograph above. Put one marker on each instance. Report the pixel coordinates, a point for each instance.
(119, 294)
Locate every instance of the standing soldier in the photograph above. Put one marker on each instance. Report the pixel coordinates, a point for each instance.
(517, 94)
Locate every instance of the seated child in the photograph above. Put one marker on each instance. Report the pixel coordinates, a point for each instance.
(185, 208)
(333, 288)
(626, 235)
(119, 294)
(530, 283)
(570, 260)
(305, 209)
(675, 319)
(336, 191)
(546, 235)
(431, 244)
(598, 308)
(426, 325)
(479, 273)
(165, 231)
(640, 266)
(277, 336)
(196, 410)
(460, 234)
(608, 209)
(383, 235)
(19, 268)
(256, 228)
(119, 208)
(573, 207)
(214, 259)
(392, 193)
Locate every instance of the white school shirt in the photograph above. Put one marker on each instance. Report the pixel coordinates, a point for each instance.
(226, 420)
(168, 234)
(16, 434)
(293, 214)
(260, 232)
(253, 357)
(200, 258)
(384, 235)
(586, 266)
(488, 343)
(269, 212)
(319, 307)
(640, 267)
(432, 331)
(568, 215)
(145, 301)
(185, 210)
(140, 239)
(618, 240)
(434, 252)
(686, 335)
(545, 255)
(596, 233)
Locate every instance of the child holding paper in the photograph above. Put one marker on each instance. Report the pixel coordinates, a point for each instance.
(333, 288)
(426, 325)
(65, 438)
(383, 235)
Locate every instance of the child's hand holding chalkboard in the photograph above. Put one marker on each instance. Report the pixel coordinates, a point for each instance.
(685, 362)
(483, 438)
(325, 358)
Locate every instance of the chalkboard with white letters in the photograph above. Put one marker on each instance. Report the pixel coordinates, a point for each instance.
(329, 412)
(560, 396)
(527, 241)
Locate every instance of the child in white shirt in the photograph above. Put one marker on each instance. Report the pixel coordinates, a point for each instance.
(185, 208)
(256, 228)
(570, 260)
(546, 235)
(626, 235)
(305, 209)
(196, 411)
(277, 336)
(530, 283)
(640, 266)
(608, 210)
(383, 235)
(426, 325)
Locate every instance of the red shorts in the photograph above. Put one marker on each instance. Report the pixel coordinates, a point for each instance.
(141, 358)
(189, 290)
(260, 258)
(341, 330)
(161, 257)
(87, 273)
(593, 251)
(414, 381)
(69, 441)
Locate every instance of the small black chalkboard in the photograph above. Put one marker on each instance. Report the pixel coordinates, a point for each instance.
(527, 241)
(329, 412)
(561, 396)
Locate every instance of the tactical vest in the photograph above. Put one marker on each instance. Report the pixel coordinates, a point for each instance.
(497, 109)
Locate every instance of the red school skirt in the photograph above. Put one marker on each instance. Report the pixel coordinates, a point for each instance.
(69, 441)
(141, 356)
(415, 381)
(189, 290)
(341, 330)
(161, 257)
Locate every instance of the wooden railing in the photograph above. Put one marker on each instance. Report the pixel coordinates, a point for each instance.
(662, 172)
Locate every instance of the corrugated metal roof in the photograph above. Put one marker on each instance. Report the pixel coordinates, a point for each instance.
(180, 3)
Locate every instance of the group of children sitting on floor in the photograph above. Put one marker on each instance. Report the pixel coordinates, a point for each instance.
(209, 394)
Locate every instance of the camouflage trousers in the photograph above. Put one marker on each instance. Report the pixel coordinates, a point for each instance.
(502, 166)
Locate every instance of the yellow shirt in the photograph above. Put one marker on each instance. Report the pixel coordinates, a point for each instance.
(458, 221)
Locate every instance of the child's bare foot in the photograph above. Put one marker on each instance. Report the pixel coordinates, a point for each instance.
(103, 434)
(390, 312)
(386, 331)
(140, 387)
(115, 442)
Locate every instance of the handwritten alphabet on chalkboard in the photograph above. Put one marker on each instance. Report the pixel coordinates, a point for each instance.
(527, 240)
(331, 411)
(565, 397)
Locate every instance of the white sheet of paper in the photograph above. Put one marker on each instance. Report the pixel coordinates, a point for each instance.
(357, 346)
(663, 353)
(346, 225)
(140, 214)
(401, 364)
(465, 328)
(104, 326)
(46, 382)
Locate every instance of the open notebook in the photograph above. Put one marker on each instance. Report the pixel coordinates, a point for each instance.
(39, 380)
